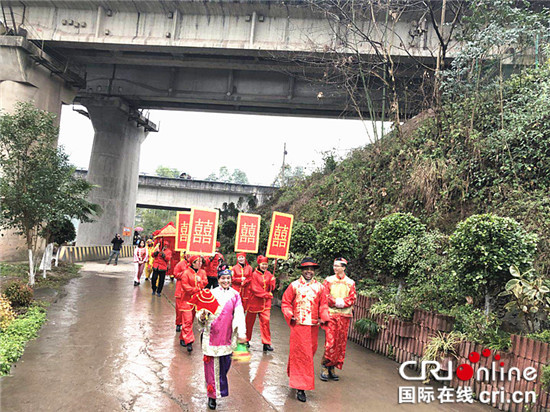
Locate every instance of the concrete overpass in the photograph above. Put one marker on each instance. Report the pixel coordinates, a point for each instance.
(117, 57)
(155, 192)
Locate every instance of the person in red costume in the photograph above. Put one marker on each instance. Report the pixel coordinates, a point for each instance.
(178, 274)
(160, 265)
(260, 295)
(211, 267)
(191, 282)
(242, 273)
(341, 297)
(304, 306)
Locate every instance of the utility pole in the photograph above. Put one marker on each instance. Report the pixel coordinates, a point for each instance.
(282, 173)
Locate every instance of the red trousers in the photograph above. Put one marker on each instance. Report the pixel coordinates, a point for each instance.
(179, 311)
(187, 326)
(264, 325)
(303, 345)
(336, 337)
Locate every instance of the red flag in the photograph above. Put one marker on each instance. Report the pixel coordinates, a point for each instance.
(182, 227)
(279, 235)
(204, 232)
(247, 236)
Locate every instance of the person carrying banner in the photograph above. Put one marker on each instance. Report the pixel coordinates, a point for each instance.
(221, 320)
(160, 265)
(304, 306)
(341, 297)
(242, 273)
(150, 258)
(260, 295)
(182, 265)
(190, 282)
(211, 267)
(140, 259)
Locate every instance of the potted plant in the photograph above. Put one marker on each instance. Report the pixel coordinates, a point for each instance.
(442, 348)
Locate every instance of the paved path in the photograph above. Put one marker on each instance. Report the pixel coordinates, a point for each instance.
(109, 346)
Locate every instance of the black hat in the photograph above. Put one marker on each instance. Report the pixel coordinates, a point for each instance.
(308, 262)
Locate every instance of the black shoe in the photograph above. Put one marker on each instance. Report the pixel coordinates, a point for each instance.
(178, 328)
(268, 347)
(135, 283)
(138, 283)
(324, 376)
(147, 279)
(190, 349)
(301, 396)
(182, 343)
(211, 403)
(332, 375)
(153, 293)
(248, 345)
(158, 294)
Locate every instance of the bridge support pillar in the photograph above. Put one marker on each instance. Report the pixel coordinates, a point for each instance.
(24, 79)
(114, 168)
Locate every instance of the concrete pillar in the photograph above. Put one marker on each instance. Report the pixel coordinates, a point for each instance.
(23, 80)
(114, 167)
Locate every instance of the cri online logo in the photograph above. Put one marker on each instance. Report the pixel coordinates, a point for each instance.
(465, 372)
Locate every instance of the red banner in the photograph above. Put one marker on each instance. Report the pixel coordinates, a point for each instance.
(182, 230)
(279, 235)
(204, 232)
(247, 236)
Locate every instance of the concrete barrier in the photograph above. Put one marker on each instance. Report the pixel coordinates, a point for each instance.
(83, 253)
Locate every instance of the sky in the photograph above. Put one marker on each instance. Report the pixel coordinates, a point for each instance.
(251, 143)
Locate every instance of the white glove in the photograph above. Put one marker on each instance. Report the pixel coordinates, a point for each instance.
(339, 303)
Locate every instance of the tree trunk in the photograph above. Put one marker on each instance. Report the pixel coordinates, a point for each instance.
(31, 268)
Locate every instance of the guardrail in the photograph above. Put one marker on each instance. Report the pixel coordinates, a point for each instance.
(83, 253)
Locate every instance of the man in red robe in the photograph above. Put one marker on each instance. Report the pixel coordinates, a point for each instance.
(260, 295)
(242, 273)
(182, 265)
(192, 280)
(341, 296)
(304, 307)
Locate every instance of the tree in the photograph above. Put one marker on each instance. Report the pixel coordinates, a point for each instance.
(304, 238)
(37, 183)
(60, 231)
(337, 239)
(164, 171)
(224, 175)
(154, 219)
(484, 247)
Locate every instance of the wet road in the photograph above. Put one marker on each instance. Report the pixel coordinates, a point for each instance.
(110, 346)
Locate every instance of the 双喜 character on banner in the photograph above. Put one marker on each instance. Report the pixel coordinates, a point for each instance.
(341, 297)
(304, 306)
(260, 296)
(221, 320)
(190, 282)
(242, 273)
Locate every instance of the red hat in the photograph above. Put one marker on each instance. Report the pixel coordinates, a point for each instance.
(308, 262)
(205, 300)
(218, 244)
(262, 259)
(193, 258)
(241, 254)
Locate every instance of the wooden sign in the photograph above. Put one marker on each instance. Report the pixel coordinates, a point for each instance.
(247, 236)
(204, 232)
(183, 221)
(279, 236)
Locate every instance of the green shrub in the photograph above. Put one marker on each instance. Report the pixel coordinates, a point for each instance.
(543, 336)
(304, 238)
(19, 293)
(385, 239)
(229, 228)
(483, 247)
(6, 313)
(546, 377)
(337, 239)
(14, 338)
(366, 326)
(60, 231)
(480, 328)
